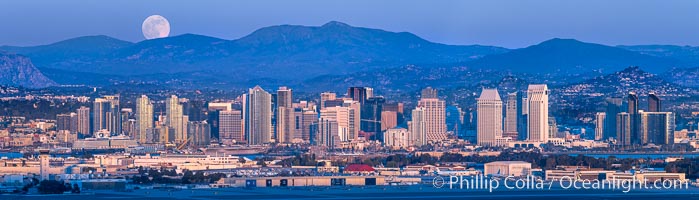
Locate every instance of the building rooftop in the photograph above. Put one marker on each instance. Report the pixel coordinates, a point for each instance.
(489, 94)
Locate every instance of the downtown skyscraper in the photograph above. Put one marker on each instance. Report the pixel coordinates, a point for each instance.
(176, 119)
(435, 116)
(144, 119)
(105, 115)
(489, 128)
(538, 113)
(285, 115)
(84, 120)
(258, 116)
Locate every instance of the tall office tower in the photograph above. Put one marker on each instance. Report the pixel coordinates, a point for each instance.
(164, 134)
(524, 126)
(371, 117)
(84, 120)
(285, 115)
(515, 126)
(274, 116)
(623, 129)
(124, 117)
(144, 118)
(600, 118)
(175, 115)
(359, 94)
(66, 122)
(258, 116)
(653, 103)
(325, 96)
(389, 120)
(632, 106)
(369, 92)
(62, 122)
(100, 109)
(429, 92)
(489, 118)
(346, 120)
(199, 133)
(130, 128)
(657, 127)
(614, 107)
(196, 110)
(538, 114)
(213, 109)
(231, 127)
(395, 107)
(553, 128)
(327, 133)
(354, 119)
(309, 117)
(114, 117)
(418, 127)
(435, 118)
(454, 119)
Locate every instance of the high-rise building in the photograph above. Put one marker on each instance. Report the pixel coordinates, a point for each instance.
(389, 120)
(231, 126)
(327, 133)
(124, 116)
(304, 120)
(435, 118)
(553, 128)
(614, 107)
(325, 96)
(84, 120)
(65, 122)
(538, 113)
(176, 119)
(632, 109)
(657, 127)
(258, 116)
(515, 123)
(489, 118)
(100, 109)
(359, 94)
(213, 109)
(106, 114)
(395, 107)
(346, 119)
(653, 103)
(454, 119)
(418, 127)
(199, 133)
(623, 129)
(285, 115)
(144, 118)
(600, 118)
(429, 93)
(371, 117)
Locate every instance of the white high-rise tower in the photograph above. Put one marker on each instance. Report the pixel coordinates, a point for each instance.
(538, 119)
(489, 117)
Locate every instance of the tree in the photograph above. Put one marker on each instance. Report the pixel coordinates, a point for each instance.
(51, 187)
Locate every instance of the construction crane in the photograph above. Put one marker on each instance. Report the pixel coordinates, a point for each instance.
(183, 144)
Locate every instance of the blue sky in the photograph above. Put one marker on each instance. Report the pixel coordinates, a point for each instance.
(513, 24)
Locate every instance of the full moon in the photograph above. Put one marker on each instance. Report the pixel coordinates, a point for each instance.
(155, 26)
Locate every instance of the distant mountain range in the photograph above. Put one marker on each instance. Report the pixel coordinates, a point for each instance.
(18, 70)
(291, 54)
